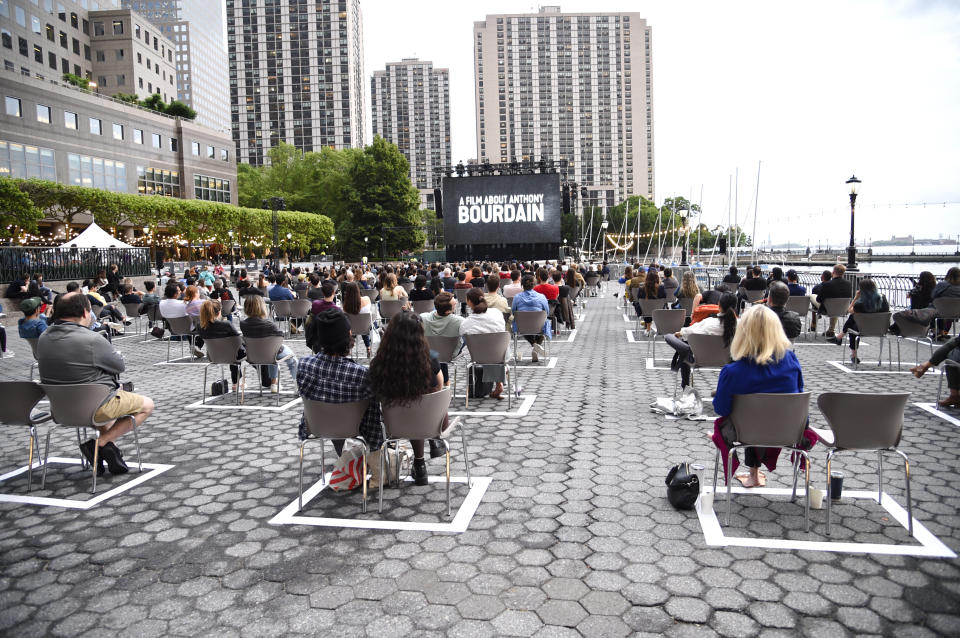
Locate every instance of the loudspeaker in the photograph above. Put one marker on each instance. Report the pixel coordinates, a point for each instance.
(566, 200)
(438, 202)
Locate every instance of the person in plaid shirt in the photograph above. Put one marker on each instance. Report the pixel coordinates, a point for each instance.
(330, 375)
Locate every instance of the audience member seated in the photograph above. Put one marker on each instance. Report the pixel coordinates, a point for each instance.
(482, 320)
(825, 276)
(514, 286)
(722, 323)
(949, 287)
(732, 276)
(244, 289)
(192, 301)
(18, 287)
(420, 291)
(354, 303)
(475, 278)
(776, 274)
(793, 284)
(762, 363)
(392, 291)
(777, 300)
(281, 291)
(404, 370)
(32, 324)
(69, 353)
(949, 350)
(530, 300)
(867, 300)
(128, 295)
(836, 288)
(670, 284)
(442, 321)
(545, 287)
(257, 325)
(213, 326)
(494, 299)
(689, 290)
(651, 289)
(329, 291)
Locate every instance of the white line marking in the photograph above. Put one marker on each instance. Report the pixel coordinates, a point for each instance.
(231, 405)
(522, 410)
(843, 368)
(458, 525)
(929, 546)
(651, 364)
(529, 365)
(932, 409)
(572, 335)
(155, 469)
(185, 361)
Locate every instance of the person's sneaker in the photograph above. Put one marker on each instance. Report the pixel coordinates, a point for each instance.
(538, 351)
(87, 449)
(127, 322)
(419, 472)
(275, 388)
(114, 458)
(519, 356)
(533, 354)
(197, 352)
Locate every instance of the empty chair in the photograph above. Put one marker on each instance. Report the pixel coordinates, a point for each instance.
(153, 317)
(873, 325)
(489, 349)
(422, 305)
(132, 310)
(768, 420)
(360, 324)
(528, 323)
(948, 309)
(866, 422)
(729, 286)
(299, 310)
(332, 422)
(447, 349)
(281, 312)
(667, 321)
(461, 295)
(421, 419)
(370, 293)
(708, 352)
(592, 280)
(180, 327)
(799, 304)
(227, 306)
(912, 330)
(390, 308)
(18, 399)
(262, 351)
(753, 296)
(75, 406)
(223, 352)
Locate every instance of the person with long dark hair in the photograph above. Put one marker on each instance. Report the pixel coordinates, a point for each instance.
(723, 323)
(651, 289)
(403, 370)
(213, 326)
(867, 300)
(355, 303)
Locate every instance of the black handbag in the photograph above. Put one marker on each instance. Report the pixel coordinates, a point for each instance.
(683, 486)
(219, 387)
(479, 388)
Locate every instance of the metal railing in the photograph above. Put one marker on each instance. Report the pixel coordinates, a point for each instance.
(894, 287)
(71, 263)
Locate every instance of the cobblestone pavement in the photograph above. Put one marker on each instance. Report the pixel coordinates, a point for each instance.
(574, 535)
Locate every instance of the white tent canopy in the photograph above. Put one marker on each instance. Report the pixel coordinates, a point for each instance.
(95, 237)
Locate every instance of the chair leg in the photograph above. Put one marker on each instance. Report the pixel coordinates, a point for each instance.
(136, 441)
(466, 457)
(796, 472)
(806, 501)
(726, 477)
(899, 339)
(383, 475)
(829, 494)
(46, 455)
(323, 462)
(880, 477)
(446, 446)
(906, 476)
(509, 387)
(203, 401)
(96, 461)
(716, 469)
(300, 508)
(32, 437)
(364, 506)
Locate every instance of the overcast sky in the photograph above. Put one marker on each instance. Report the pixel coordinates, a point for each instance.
(815, 91)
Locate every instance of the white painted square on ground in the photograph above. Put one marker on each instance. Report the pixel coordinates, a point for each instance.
(570, 338)
(868, 367)
(953, 418)
(652, 365)
(521, 407)
(459, 524)
(526, 363)
(151, 470)
(228, 402)
(713, 534)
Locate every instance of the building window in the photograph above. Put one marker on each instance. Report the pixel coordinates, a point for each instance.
(38, 53)
(70, 120)
(96, 126)
(195, 147)
(118, 27)
(13, 106)
(155, 140)
(25, 161)
(43, 114)
(174, 145)
(118, 131)
(121, 80)
(155, 181)
(211, 152)
(96, 172)
(211, 189)
(119, 54)
(97, 28)
(7, 39)
(224, 155)
(138, 136)
(101, 56)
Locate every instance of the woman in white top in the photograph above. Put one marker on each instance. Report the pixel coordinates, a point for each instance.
(391, 291)
(483, 320)
(723, 323)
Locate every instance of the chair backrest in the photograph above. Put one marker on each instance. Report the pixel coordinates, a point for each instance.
(334, 420)
(488, 348)
(180, 325)
(708, 350)
(772, 420)
(836, 306)
(420, 419)
(461, 294)
(592, 279)
(445, 347)
(370, 293)
(407, 285)
(872, 324)
(227, 306)
(132, 309)
(263, 350)
(862, 421)
(910, 328)
(509, 299)
(669, 321)
(730, 286)
(754, 296)
(530, 322)
(390, 308)
(634, 291)
(947, 307)
(75, 405)
(17, 400)
(686, 304)
(281, 308)
(223, 349)
(153, 312)
(647, 306)
(96, 309)
(360, 324)
(300, 307)
(33, 345)
(423, 305)
(799, 304)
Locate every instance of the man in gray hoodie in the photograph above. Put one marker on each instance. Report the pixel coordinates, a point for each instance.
(68, 352)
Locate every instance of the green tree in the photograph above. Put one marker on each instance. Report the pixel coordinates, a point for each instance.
(76, 80)
(17, 211)
(63, 203)
(127, 97)
(176, 108)
(154, 103)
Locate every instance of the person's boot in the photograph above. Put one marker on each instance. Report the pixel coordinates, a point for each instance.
(951, 401)
(419, 472)
(87, 449)
(114, 458)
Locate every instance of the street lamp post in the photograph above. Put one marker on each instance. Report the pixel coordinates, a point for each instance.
(686, 234)
(146, 233)
(852, 248)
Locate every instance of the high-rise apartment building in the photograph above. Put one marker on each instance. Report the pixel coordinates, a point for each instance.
(296, 75)
(410, 103)
(197, 29)
(569, 86)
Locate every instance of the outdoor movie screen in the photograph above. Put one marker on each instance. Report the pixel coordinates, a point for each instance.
(502, 209)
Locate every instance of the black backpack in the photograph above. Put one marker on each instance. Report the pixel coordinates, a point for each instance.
(683, 486)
